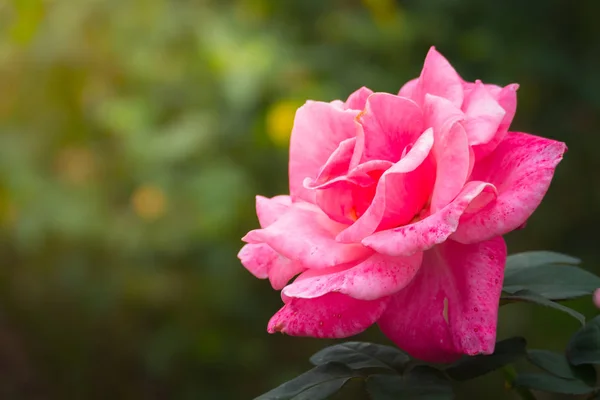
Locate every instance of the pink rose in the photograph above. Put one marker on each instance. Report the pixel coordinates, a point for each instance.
(596, 298)
(396, 209)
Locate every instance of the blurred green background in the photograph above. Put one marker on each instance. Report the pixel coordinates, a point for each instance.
(135, 134)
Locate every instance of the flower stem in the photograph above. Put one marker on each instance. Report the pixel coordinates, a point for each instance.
(509, 375)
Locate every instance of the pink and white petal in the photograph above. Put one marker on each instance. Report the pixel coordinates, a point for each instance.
(269, 209)
(401, 193)
(439, 78)
(388, 125)
(378, 276)
(451, 306)
(307, 236)
(333, 315)
(358, 99)
(452, 155)
(484, 115)
(507, 98)
(318, 130)
(521, 168)
(434, 229)
(264, 262)
(408, 89)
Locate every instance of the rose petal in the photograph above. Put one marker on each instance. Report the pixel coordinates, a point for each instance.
(307, 235)
(452, 157)
(440, 114)
(408, 89)
(318, 130)
(337, 164)
(484, 115)
(264, 262)
(507, 98)
(387, 125)
(268, 210)
(451, 306)
(358, 99)
(521, 168)
(344, 198)
(401, 192)
(376, 277)
(439, 78)
(333, 315)
(256, 258)
(434, 229)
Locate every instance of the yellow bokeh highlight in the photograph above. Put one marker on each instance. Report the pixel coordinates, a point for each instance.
(149, 202)
(280, 120)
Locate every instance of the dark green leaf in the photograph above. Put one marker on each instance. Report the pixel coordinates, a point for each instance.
(535, 258)
(532, 297)
(558, 365)
(551, 383)
(421, 383)
(552, 275)
(362, 355)
(584, 346)
(507, 351)
(316, 384)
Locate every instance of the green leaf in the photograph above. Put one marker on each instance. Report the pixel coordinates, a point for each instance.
(584, 346)
(551, 383)
(534, 258)
(507, 351)
(421, 383)
(316, 384)
(532, 297)
(558, 365)
(359, 355)
(552, 275)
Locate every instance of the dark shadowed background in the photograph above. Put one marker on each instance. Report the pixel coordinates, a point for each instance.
(134, 136)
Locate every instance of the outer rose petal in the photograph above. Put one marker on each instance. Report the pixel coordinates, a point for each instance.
(521, 168)
(358, 99)
(305, 234)
(268, 210)
(401, 193)
(264, 262)
(451, 306)
(408, 89)
(318, 130)
(387, 125)
(484, 115)
(333, 315)
(434, 229)
(378, 276)
(439, 78)
(507, 98)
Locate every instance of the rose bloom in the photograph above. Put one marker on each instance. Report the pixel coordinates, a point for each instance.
(396, 212)
(596, 298)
